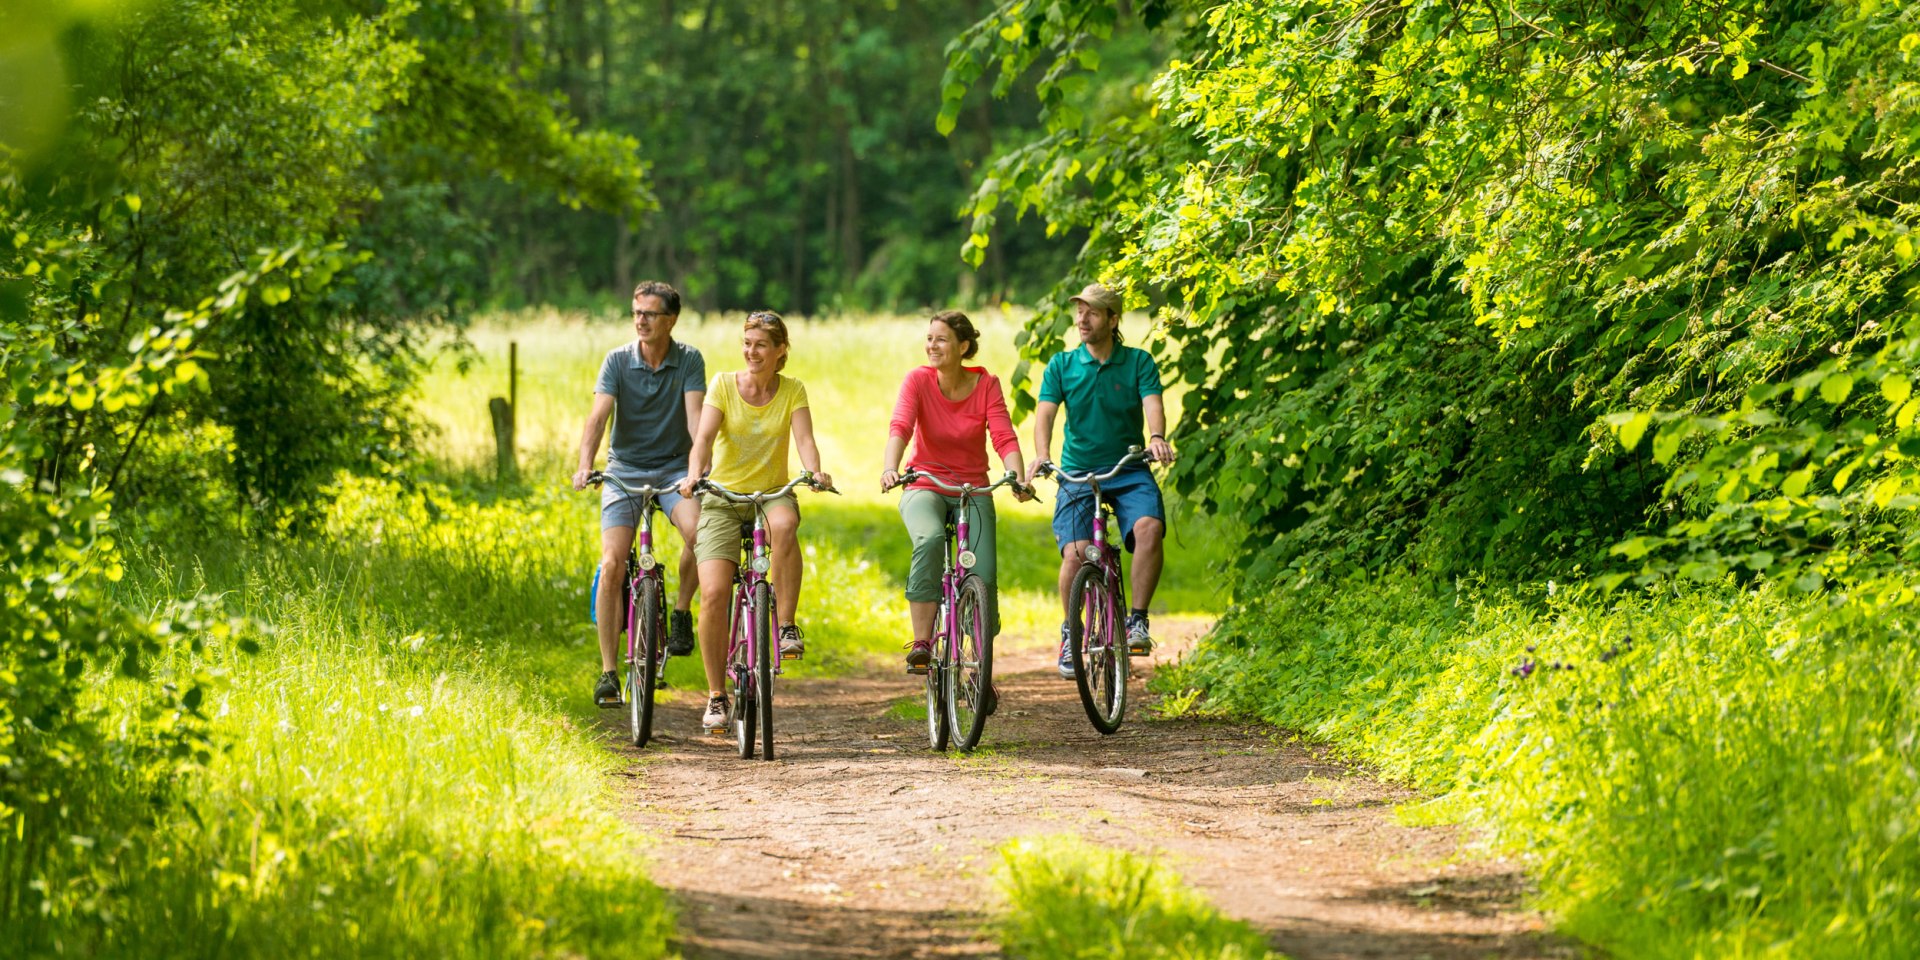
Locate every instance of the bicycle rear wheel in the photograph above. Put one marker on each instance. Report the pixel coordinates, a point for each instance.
(740, 669)
(1099, 649)
(763, 664)
(643, 664)
(968, 673)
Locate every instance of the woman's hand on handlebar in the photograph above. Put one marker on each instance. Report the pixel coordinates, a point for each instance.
(889, 478)
(823, 482)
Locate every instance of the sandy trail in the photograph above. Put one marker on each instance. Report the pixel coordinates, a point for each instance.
(859, 841)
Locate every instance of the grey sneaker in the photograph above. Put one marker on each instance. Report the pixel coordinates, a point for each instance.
(680, 633)
(1066, 655)
(792, 647)
(714, 721)
(606, 692)
(1139, 643)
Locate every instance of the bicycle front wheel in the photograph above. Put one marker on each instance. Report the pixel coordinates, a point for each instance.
(968, 673)
(643, 653)
(763, 657)
(1099, 649)
(739, 667)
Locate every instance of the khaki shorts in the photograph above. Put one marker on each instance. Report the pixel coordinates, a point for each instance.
(718, 534)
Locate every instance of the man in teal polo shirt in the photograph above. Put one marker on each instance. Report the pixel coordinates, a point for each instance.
(1112, 395)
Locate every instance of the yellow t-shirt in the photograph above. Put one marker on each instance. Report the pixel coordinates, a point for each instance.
(750, 453)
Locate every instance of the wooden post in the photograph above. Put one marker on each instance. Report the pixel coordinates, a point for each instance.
(504, 410)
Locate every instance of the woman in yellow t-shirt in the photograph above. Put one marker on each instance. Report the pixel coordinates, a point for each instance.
(743, 440)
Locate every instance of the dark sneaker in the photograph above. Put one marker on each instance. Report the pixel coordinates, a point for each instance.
(792, 647)
(680, 633)
(919, 654)
(1139, 643)
(1066, 655)
(714, 721)
(606, 693)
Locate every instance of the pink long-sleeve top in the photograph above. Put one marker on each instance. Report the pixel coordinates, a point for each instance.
(947, 434)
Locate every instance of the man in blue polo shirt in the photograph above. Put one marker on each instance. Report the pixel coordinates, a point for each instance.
(1112, 393)
(652, 389)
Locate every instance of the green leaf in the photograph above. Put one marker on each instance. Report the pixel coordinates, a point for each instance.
(1835, 388)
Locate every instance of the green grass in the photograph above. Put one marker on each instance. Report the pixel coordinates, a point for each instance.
(395, 776)
(1066, 898)
(1739, 781)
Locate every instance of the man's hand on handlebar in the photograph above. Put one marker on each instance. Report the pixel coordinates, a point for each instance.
(583, 477)
(1159, 450)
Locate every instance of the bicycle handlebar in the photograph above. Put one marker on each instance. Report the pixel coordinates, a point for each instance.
(911, 475)
(598, 477)
(805, 477)
(1060, 474)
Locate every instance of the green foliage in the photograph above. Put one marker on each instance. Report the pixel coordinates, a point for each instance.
(1069, 898)
(1414, 257)
(1707, 772)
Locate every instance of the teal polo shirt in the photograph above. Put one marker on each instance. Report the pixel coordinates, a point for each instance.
(1104, 417)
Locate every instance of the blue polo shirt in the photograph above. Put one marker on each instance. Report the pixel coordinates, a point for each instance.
(1104, 417)
(650, 428)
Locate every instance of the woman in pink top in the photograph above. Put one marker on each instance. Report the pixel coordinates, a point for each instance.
(950, 411)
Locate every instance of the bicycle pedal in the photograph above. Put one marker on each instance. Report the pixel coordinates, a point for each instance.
(919, 671)
(610, 704)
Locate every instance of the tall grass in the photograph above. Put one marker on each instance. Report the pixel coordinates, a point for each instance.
(1068, 899)
(1709, 773)
(393, 778)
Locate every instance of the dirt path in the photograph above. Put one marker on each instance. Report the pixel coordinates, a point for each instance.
(860, 842)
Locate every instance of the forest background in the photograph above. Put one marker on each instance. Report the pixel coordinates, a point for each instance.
(1555, 358)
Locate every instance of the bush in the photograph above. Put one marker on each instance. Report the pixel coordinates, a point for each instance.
(1701, 773)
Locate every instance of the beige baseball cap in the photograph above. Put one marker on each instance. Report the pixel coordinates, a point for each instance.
(1098, 297)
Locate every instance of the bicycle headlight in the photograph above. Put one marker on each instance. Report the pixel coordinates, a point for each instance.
(648, 561)
(760, 564)
(967, 559)
(1093, 553)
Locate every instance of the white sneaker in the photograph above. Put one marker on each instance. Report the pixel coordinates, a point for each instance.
(714, 721)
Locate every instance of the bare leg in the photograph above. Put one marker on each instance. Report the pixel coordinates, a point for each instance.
(783, 525)
(1149, 536)
(686, 516)
(716, 607)
(615, 543)
(921, 612)
(1072, 557)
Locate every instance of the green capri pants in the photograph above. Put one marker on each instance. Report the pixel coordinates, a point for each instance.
(925, 513)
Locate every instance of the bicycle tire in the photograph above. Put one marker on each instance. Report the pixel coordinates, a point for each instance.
(742, 705)
(937, 730)
(643, 664)
(968, 673)
(1099, 652)
(762, 601)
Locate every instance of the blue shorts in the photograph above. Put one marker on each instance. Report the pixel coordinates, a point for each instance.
(619, 510)
(1133, 494)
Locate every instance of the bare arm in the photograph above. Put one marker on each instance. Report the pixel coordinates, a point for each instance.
(890, 463)
(1042, 435)
(702, 455)
(590, 437)
(1156, 412)
(803, 445)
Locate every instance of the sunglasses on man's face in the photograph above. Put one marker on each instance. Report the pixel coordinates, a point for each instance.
(651, 314)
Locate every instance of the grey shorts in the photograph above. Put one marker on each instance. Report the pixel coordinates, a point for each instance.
(619, 510)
